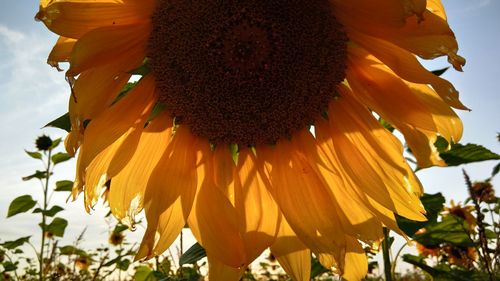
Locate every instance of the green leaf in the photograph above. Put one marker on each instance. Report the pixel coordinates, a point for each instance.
(433, 204)
(490, 234)
(64, 185)
(495, 171)
(192, 255)
(35, 155)
(386, 125)
(463, 154)
(235, 152)
(55, 143)
(450, 230)
(62, 122)
(439, 72)
(60, 157)
(71, 250)
(16, 243)
(123, 264)
(144, 273)
(142, 70)
(9, 266)
(57, 226)
(129, 86)
(38, 175)
(441, 144)
(317, 268)
(21, 204)
(120, 228)
(157, 109)
(50, 213)
(443, 272)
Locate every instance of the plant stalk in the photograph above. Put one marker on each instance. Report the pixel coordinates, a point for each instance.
(483, 241)
(385, 252)
(44, 218)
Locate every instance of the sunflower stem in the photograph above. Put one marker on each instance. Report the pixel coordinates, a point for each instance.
(386, 247)
(44, 219)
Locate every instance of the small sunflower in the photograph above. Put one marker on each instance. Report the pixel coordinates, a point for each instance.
(116, 238)
(253, 120)
(462, 212)
(427, 251)
(461, 256)
(484, 192)
(82, 262)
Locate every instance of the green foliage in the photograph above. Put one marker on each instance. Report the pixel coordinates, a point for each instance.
(60, 157)
(16, 243)
(63, 122)
(49, 213)
(142, 70)
(433, 204)
(449, 230)
(34, 155)
(64, 185)
(495, 170)
(192, 255)
(69, 250)
(144, 273)
(445, 272)
(439, 72)
(316, 268)
(37, 175)
(57, 226)
(21, 204)
(463, 154)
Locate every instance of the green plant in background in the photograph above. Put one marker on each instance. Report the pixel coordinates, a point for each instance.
(53, 261)
(45, 153)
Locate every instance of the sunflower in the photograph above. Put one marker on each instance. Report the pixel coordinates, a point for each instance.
(254, 121)
(462, 212)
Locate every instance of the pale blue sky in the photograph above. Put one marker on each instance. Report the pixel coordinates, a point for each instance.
(32, 93)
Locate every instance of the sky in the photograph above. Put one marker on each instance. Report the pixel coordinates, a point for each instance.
(32, 94)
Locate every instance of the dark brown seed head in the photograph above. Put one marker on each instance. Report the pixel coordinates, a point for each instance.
(246, 72)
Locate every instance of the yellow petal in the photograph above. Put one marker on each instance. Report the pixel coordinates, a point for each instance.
(214, 220)
(127, 189)
(61, 51)
(94, 91)
(357, 217)
(447, 122)
(364, 147)
(127, 115)
(218, 271)
(356, 263)
(291, 253)
(107, 164)
(422, 146)
(387, 94)
(427, 35)
(244, 202)
(436, 7)
(224, 172)
(295, 182)
(73, 18)
(110, 44)
(404, 64)
(170, 193)
(416, 7)
(363, 13)
(258, 211)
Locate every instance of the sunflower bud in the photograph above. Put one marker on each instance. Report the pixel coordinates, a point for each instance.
(43, 143)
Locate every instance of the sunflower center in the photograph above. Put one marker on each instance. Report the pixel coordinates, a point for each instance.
(246, 72)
